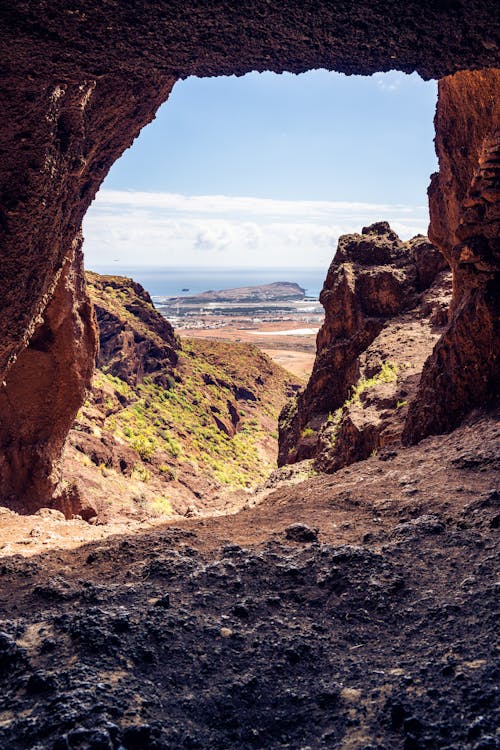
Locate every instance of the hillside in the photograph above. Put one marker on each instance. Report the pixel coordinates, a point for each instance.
(169, 428)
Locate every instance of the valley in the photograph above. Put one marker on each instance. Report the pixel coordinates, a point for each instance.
(265, 316)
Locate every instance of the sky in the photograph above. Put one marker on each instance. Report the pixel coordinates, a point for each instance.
(267, 170)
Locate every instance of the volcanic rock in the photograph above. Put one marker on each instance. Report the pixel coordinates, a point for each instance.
(377, 295)
(43, 390)
(134, 340)
(464, 202)
(78, 86)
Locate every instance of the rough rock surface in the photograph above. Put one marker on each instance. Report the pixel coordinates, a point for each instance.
(42, 393)
(134, 340)
(380, 324)
(370, 625)
(79, 84)
(464, 201)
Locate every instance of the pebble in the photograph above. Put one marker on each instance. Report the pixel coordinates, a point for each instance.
(300, 532)
(163, 601)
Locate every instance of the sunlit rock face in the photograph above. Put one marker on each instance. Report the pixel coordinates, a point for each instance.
(374, 280)
(134, 339)
(78, 84)
(464, 201)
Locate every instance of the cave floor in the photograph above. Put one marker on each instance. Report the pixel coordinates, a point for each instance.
(353, 611)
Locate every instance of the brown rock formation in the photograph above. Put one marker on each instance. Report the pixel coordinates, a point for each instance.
(464, 200)
(79, 84)
(373, 279)
(43, 390)
(134, 339)
(61, 140)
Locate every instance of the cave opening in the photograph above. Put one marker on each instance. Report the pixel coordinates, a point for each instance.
(235, 172)
(354, 610)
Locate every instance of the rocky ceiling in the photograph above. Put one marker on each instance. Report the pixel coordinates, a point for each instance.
(78, 82)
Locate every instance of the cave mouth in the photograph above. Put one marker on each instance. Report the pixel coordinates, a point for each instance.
(266, 170)
(74, 107)
(335, 643)
(253, 179)
(300, 215)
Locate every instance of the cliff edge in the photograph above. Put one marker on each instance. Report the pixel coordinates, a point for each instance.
(386, 305)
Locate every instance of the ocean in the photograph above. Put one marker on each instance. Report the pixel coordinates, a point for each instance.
(162, 281)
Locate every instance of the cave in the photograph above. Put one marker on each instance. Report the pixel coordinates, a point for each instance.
(79, 101)
(340, 614)
(79, 85)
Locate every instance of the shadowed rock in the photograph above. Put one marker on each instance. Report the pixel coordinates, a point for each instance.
(464, 202)
(43, 390)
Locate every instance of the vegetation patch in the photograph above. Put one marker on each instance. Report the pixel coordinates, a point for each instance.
(388, 373)
(216, 386)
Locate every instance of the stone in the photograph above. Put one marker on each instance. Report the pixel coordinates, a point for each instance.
(52, 513)
(300, 532)
(137, 737)
(89, 739)
(134, 339)
(464, 203)
(10, 653)
(373, 282)
(163, 601)
(241, 610)
(44, 389)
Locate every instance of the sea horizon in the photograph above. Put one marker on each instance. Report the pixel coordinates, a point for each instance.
(176, 281)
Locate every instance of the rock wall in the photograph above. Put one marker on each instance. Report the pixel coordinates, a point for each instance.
(57, 143)
(464, 201)
(134, 339)
(373, 280)
(78, 84)
(43, 391)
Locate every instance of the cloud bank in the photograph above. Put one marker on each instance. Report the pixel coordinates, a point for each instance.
(169, 229)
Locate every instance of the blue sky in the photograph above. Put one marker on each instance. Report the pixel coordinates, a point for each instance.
(267, 170)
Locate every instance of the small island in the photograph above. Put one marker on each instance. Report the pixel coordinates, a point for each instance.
(278, 291)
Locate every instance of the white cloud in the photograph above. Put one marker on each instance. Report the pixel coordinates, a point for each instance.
(225, 204)
(141, 228)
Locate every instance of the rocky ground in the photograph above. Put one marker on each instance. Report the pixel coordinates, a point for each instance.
(353, 611)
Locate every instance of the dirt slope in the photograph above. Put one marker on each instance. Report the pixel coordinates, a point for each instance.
(371, 628)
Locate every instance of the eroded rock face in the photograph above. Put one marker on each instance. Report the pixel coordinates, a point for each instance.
(60, 141)
(464, 200)
(43, 390)
(134, 340)
(372, 282)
